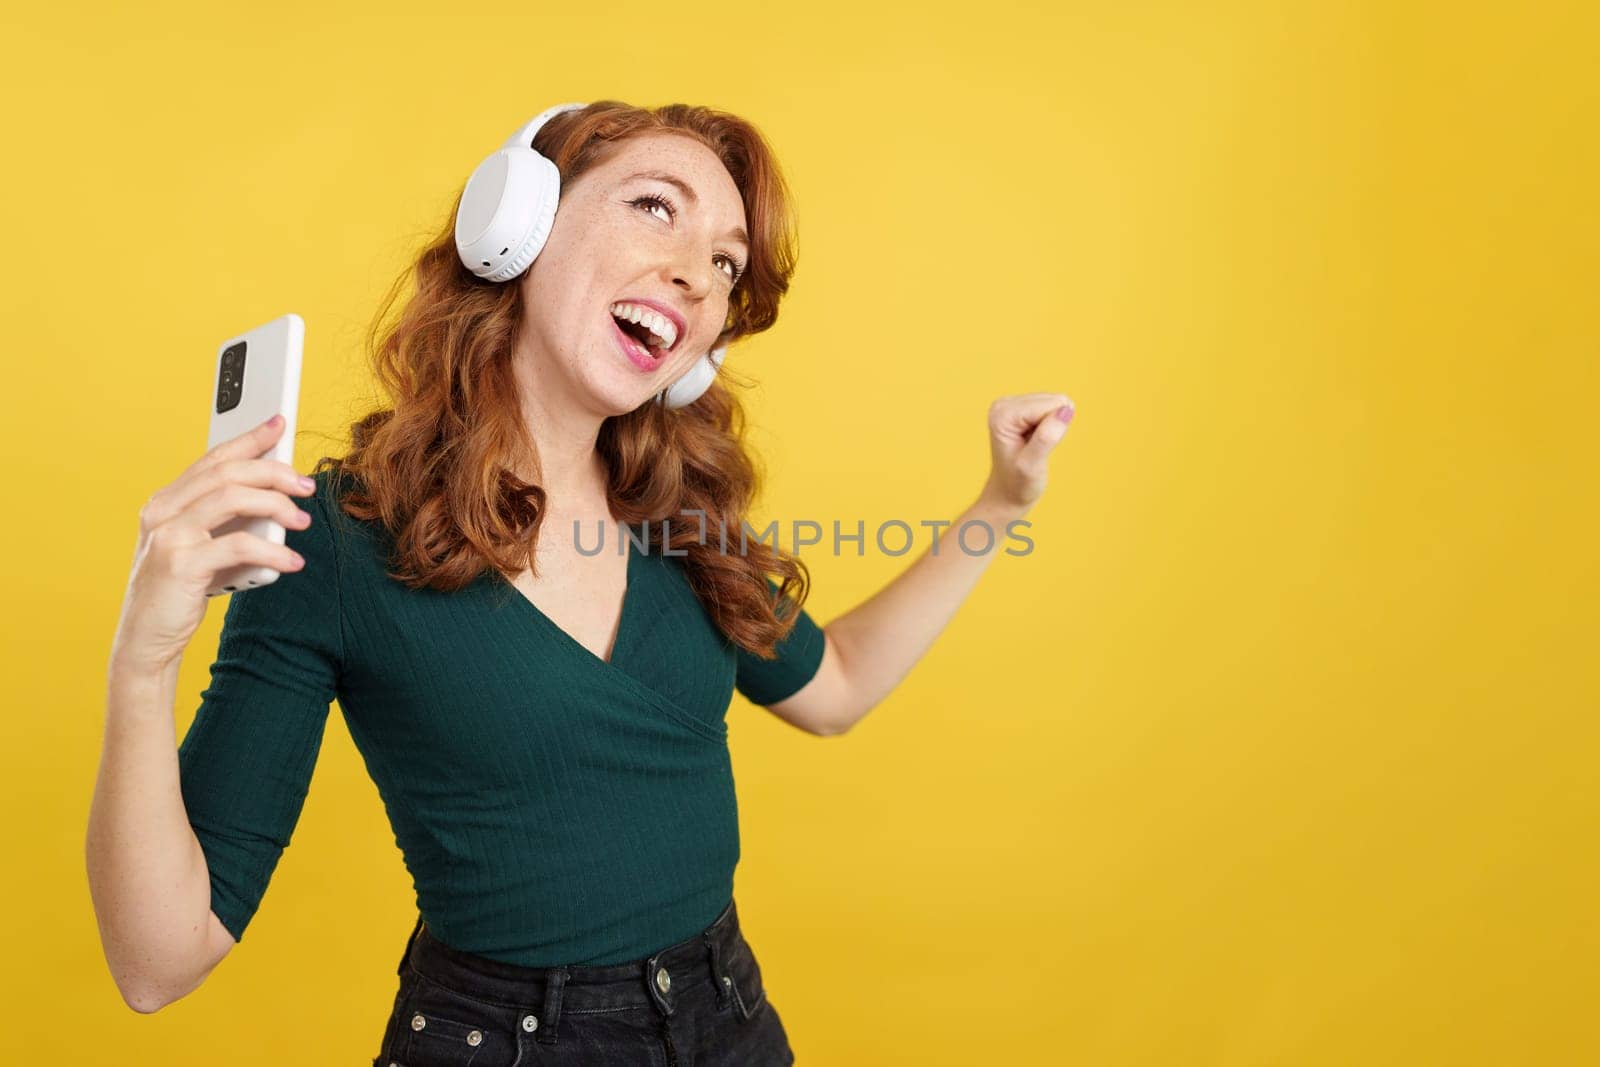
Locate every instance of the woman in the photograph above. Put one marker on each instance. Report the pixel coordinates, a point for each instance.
(546, 729)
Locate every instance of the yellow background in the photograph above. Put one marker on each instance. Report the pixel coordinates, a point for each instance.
(1279, 749)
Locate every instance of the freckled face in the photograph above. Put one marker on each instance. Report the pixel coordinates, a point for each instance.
(619, 235)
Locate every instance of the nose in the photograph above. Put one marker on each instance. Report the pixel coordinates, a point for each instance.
(692, 272)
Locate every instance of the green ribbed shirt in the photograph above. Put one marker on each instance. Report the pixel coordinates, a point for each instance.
(551, 807)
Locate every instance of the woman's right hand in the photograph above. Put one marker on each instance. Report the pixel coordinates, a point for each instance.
(177, 559)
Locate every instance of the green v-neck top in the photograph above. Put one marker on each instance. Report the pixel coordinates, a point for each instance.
(551, 807)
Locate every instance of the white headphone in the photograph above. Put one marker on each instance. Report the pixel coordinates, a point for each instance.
(505, 217)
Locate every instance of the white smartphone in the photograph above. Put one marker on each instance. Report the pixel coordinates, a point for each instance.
(257, 377)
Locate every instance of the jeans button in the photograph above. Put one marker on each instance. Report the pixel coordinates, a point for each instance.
(475, 1038)
(530, 1023)
(418, 1022)
(663, 980)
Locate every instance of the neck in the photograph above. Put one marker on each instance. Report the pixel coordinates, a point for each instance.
(571, 470)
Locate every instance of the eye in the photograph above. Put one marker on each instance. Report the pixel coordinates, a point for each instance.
(738, 268)
(655, 201)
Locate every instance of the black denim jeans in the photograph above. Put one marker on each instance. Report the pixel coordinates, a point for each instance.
(699, 1003)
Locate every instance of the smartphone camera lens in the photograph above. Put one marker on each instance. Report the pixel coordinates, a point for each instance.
(230, 377)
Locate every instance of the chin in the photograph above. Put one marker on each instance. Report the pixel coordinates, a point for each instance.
(618, 397)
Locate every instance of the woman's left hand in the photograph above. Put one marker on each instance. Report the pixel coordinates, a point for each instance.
(1023, 430)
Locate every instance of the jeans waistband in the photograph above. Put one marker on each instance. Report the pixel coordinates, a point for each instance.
(551, 992)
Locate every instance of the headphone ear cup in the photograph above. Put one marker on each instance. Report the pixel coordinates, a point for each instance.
(689, 388)
(506, 213)
(509, 205)
(544, 198)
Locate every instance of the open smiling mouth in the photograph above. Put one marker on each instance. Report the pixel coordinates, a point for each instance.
(638, 339)
(647, 337)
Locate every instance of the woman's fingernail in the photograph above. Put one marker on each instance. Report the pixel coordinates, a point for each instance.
(275, 421)
(307, 483)
(1065, 414)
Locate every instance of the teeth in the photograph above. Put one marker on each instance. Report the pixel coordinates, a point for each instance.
(663, 332)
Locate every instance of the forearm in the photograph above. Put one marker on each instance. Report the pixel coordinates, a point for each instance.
(147, 873)
(880, 640)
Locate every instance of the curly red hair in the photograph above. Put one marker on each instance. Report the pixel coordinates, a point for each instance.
(436, 466)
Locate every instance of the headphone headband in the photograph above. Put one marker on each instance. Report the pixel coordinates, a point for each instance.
(523, 138)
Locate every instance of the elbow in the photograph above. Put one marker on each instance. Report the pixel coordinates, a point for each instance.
(835, 727)
(148, 992)
(145, 987)
(142, 999)
(145, 1007)
(147, 998)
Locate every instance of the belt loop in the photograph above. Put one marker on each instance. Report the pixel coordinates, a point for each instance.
(717, 976)
(400, 968)
(554, 980)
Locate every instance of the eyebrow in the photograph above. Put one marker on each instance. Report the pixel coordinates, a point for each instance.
(688, 192)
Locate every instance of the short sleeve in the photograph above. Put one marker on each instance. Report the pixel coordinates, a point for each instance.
(246, 762)
(798, 657)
